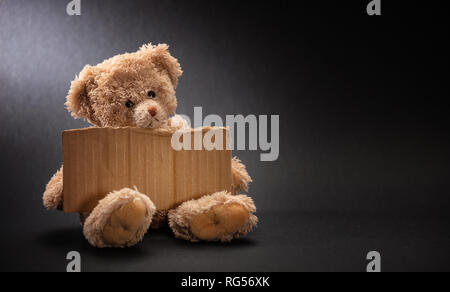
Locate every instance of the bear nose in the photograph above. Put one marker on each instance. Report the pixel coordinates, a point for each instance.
(152, 110)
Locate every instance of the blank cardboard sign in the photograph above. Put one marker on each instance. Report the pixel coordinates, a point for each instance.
(98, 161)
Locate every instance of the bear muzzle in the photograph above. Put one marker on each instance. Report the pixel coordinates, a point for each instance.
(149, 115)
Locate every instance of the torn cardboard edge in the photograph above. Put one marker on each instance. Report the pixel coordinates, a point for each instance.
(98, 161)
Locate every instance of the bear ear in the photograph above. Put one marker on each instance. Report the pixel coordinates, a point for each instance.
(78, 101)
(162, 58)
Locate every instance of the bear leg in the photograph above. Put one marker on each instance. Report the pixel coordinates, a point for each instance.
(218, 217)
(121, 219)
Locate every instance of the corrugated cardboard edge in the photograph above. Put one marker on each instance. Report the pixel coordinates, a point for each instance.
(161, 132)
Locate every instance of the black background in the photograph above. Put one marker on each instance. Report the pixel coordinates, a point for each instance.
(364, 159)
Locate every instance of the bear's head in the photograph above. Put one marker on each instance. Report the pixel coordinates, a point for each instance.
(129, 90)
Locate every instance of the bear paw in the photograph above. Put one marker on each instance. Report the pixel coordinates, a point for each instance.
(219, 217)
(119, 220)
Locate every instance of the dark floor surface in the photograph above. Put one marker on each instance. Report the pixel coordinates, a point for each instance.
(287, 241)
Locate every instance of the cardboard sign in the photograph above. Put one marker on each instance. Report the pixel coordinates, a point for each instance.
(98, 161)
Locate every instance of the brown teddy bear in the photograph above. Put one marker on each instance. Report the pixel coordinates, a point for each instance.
(138, 90)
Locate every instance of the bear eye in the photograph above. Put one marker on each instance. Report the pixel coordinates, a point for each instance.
(151, 94)
(129, 104)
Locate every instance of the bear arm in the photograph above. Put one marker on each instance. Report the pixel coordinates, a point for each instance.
(53, 195)
(178, 123)
(241, 178)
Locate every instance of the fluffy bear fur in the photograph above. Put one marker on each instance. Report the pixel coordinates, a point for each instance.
(100, 93)
(138, 90)
(53, 194)
(102, 217)
(215, 225)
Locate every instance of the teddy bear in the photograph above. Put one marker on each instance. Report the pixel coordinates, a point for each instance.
(138, 90)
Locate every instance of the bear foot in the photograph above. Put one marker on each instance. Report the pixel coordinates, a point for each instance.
(219, 217)
(119, 220)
